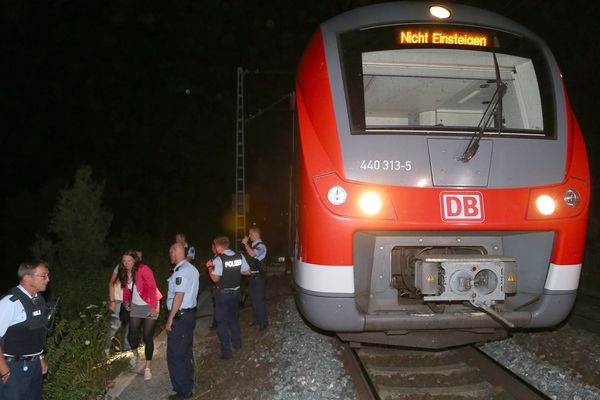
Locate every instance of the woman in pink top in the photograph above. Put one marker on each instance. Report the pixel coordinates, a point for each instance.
(142, 298)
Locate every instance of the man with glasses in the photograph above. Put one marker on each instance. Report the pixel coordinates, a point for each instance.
(23, 320)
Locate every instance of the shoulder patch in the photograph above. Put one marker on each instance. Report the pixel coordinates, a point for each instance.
(178, 280)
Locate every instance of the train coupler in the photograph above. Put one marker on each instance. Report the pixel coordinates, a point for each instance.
(477, 279)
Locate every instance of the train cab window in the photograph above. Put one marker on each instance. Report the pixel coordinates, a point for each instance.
(426, 87)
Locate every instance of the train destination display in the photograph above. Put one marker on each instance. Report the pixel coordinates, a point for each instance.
(440, 37)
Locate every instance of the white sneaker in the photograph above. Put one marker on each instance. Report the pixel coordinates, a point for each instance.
(147, 374)
(133, 362)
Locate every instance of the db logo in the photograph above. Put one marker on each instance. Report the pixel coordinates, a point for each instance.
(462, 206)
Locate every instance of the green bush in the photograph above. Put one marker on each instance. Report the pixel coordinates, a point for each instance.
(76, 245)
(76, 367)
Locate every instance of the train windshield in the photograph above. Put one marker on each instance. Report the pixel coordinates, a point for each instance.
(421, 79)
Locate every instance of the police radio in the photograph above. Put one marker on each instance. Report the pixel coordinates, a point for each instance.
(51, 311)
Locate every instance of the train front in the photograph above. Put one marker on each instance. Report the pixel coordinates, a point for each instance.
(443, 183)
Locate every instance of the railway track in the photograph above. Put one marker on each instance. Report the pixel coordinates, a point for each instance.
(388, 373)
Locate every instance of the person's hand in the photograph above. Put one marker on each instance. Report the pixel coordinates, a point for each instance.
(245, 240)
(209, 263)
(5, 376)
(153, 313)
(44, 365)
(112, 306)
(169, 324)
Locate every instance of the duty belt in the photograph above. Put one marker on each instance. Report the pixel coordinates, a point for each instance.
(21, 358)
(229, 290)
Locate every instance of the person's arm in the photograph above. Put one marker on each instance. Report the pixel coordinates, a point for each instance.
(4, 368)
(43, 364)
(6, 317)
(210, 266)
(151, 286)
(177, 300)
(245, 270)
(111, 291)
(247, 246)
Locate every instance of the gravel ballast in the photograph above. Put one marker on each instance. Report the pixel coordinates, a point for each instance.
(291, 360)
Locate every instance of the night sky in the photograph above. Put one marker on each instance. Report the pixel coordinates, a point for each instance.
(144, 93)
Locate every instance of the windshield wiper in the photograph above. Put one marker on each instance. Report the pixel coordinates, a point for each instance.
(493, 109)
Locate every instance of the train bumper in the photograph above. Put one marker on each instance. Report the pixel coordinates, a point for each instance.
(349, 310)
(421, 329)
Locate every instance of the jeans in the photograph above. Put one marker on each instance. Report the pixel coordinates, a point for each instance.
(115, 324)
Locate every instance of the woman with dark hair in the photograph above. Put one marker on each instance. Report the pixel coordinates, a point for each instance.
(142, 299)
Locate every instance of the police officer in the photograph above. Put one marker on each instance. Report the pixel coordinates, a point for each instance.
(225, 270)
(23, 317)
(190, 251)
(213, 289)
(258, 251)
(181, 303)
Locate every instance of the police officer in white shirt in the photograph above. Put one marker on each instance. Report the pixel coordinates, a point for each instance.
(23, 320)
(181, 303)
(190, 251)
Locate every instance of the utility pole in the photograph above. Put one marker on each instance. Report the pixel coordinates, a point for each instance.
(240, 172)
(240, 200)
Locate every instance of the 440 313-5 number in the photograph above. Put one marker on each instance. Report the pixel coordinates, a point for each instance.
(386, 165)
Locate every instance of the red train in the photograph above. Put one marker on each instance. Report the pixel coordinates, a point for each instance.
(442, 179)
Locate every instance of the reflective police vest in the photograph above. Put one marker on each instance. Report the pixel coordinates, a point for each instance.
(29, 336)
(232, 267)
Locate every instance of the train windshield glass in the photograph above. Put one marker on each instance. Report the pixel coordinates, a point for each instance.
(426, 80)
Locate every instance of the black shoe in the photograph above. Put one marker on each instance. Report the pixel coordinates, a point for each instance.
(263, 327)
(178, 396)
(252, 323)
(226, 358)
(237, 347)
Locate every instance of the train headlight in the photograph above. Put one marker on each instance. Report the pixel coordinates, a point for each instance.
(337, 195)
(370, 203)
(571, 198)
(545, 204)
(440, 12)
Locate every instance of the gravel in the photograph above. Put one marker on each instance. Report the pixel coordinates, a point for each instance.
(290, 360)
(555, 382)
(310, 362)
(308, 366)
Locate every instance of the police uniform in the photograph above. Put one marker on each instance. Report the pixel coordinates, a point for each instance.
(180, 357)
(228, 265)
(23, 330)
(256, 286)
(190, 251)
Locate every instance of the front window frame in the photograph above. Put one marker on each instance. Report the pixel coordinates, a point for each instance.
(353, 44)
